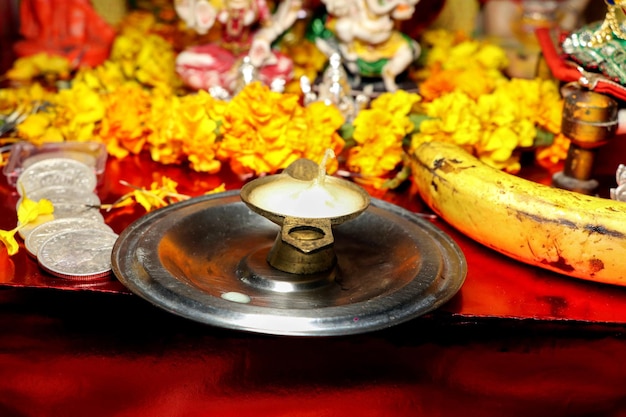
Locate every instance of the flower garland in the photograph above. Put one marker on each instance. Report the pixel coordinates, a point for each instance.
(467, 100)
(135, 102)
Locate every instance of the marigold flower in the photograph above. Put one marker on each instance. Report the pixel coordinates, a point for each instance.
(39, 128)
(379, 133)
(400, 102)
(28, 212)
(78, 110)
(254, 130)
(553, 155)
(52, 67)
(496, 122)
(168, 132)
(200, 145)
(124, 129)
(308, 61)
(454, 62)
(452, 118)
(147, 58)
(312, 131)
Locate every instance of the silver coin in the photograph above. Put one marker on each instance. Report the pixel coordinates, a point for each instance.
(56, 171)
(78, 254)
(62, 194)
(25, 231)
(46, 230)
(67, 202)
(61, 211)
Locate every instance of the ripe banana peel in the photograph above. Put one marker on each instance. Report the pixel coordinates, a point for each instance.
(570, 233)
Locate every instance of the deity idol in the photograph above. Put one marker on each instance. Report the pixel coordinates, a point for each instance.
(601, 46)
(365, 33)
(248, 29)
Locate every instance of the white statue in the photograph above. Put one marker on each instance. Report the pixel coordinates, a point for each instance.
(366, 35)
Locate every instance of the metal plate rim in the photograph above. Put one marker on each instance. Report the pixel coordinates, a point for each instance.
(191, 303)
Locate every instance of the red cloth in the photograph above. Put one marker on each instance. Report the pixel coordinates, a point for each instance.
(69, 28)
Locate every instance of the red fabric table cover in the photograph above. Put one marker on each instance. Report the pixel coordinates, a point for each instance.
(515, 341)
(496, 286)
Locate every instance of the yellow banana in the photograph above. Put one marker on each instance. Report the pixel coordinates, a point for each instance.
(566, 232)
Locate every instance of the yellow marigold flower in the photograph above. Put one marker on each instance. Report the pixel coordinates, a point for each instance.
(400, 102)
(106, 77)
(498, 143)
(41, 64)
(491, 56)
(378, 135)
(312, 131)
(146, 57)
(156, 64)
(452, 116)
(437, 43)
(214, 108)
(549, 110)
(38, 128)
(307, 59)
(453, 52)
(28, 212)
(494, 124)
(182, 129)
(72, 114)
(477, 82)
(254, 130)
(78, 110)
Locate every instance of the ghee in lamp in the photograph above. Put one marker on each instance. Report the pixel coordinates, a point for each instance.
(314, 199)
(291, 197)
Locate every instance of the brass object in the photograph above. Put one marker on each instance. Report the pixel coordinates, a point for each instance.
(303, 245)
(589, 121)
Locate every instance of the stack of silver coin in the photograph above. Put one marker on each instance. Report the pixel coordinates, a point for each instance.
(74, 242)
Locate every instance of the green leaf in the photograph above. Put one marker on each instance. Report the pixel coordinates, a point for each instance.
(543, 138)
(417, 120)
(346, 131)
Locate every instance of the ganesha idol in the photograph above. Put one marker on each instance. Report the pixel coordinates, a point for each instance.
(365, 33)
(248, 29)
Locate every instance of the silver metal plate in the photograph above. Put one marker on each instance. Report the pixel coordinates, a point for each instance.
(186, 258)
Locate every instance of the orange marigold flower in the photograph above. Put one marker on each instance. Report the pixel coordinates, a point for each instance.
(124, 128)
(200, 144)
(438, 84)
(168, 132)
(254, 130)
(552, 156)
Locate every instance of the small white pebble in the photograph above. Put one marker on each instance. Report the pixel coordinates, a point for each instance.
(236, 297)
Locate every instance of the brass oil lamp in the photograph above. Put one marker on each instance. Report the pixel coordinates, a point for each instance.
(306, 203)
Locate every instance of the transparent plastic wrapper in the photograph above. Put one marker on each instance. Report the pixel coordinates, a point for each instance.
(24, 154)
